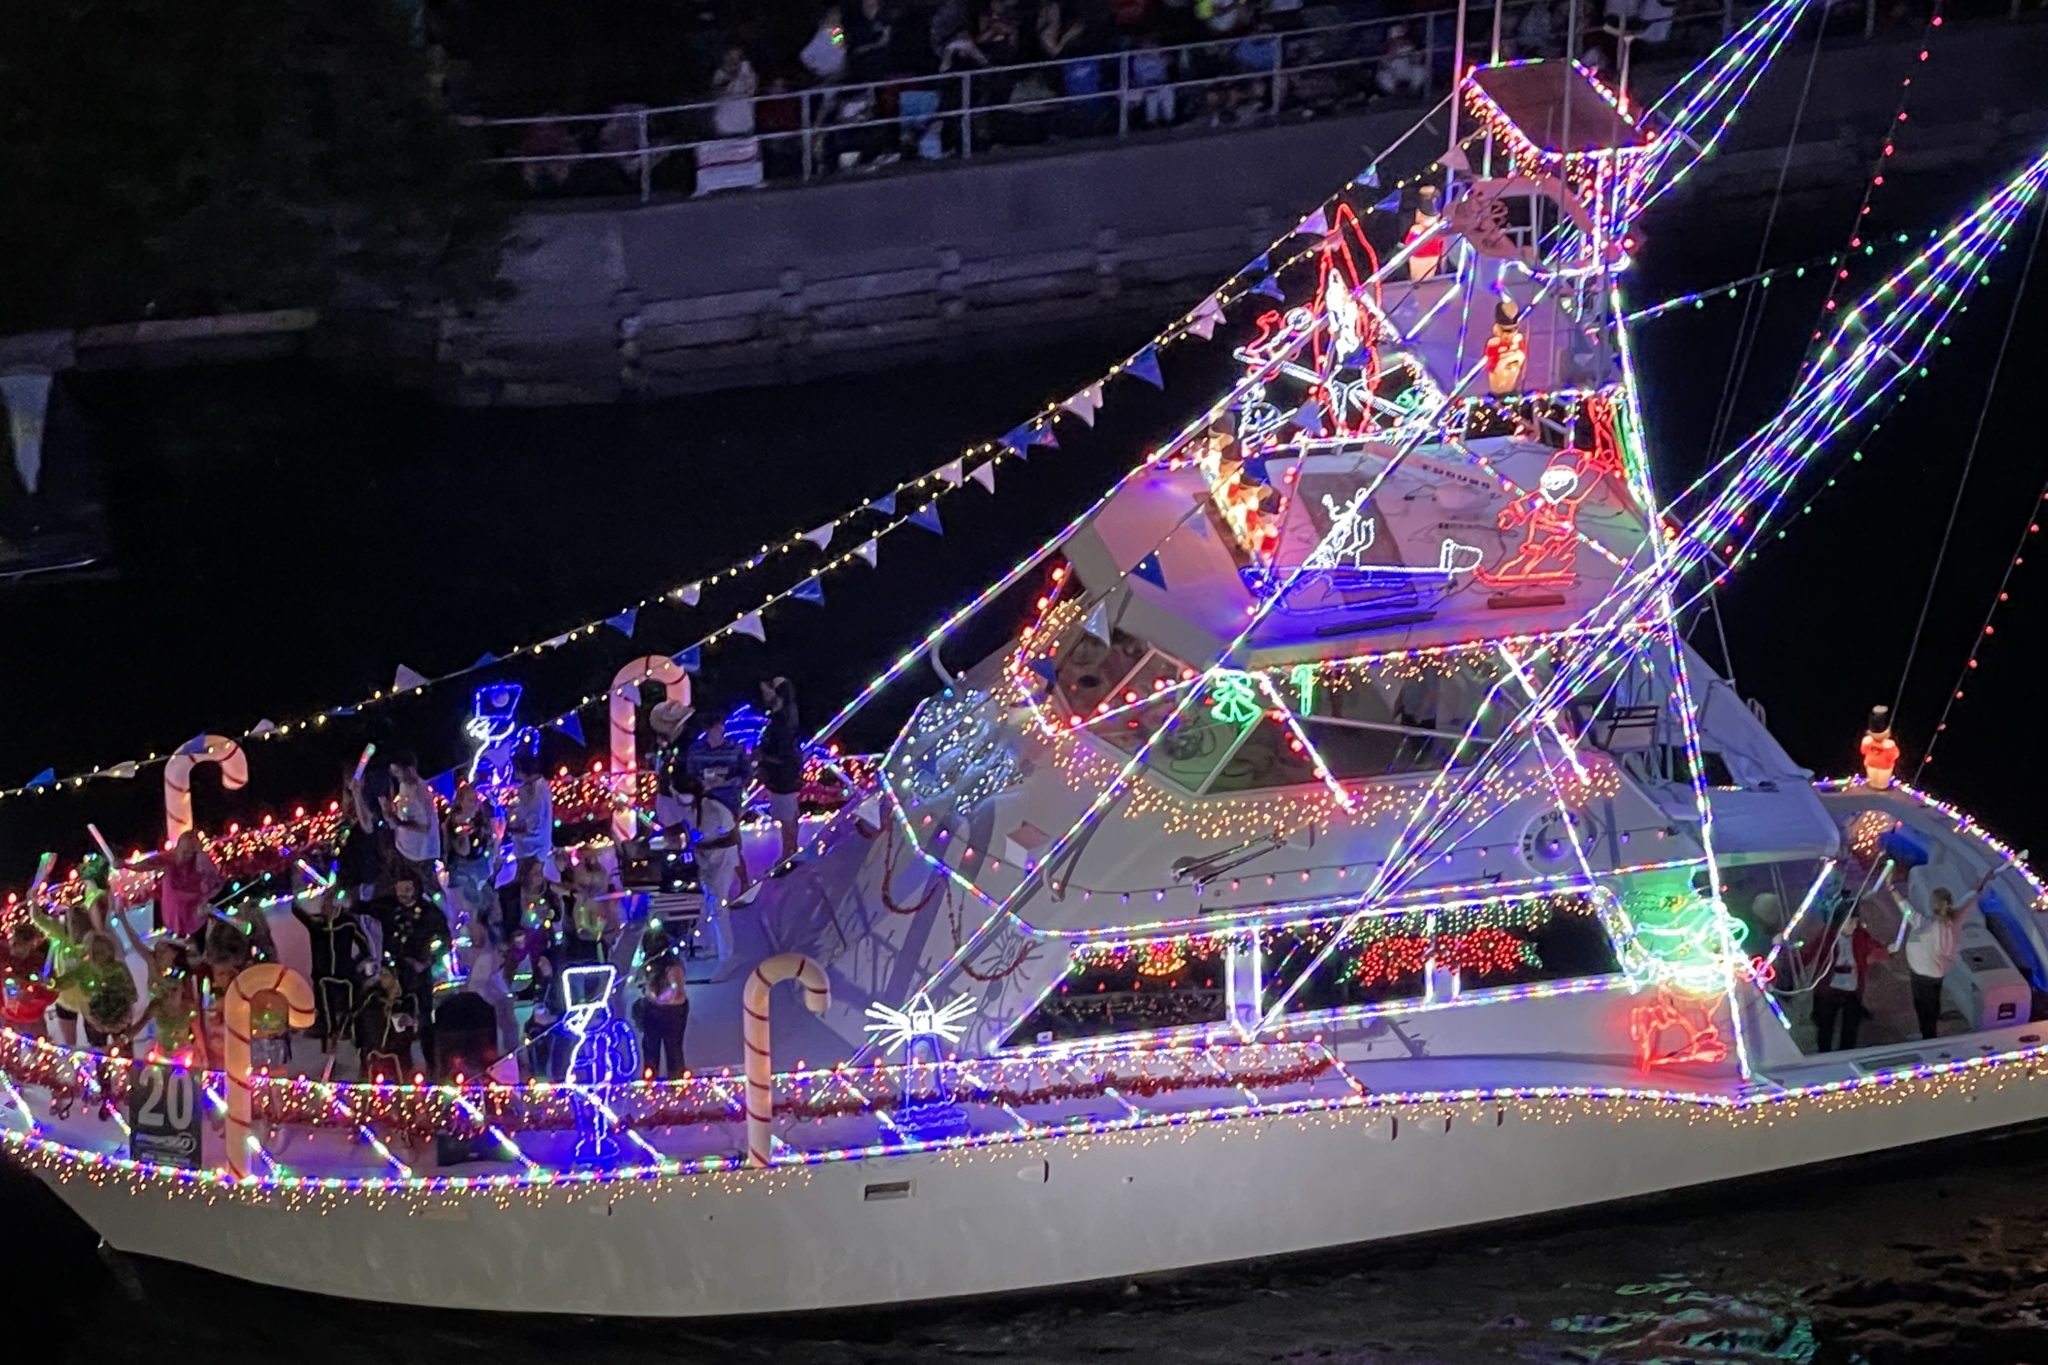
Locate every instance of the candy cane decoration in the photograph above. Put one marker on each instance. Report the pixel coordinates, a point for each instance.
(234, 775)
(241, 996)
(625, 716)
(760, 1086)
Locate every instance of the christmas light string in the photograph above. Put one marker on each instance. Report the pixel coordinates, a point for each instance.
(949, 477)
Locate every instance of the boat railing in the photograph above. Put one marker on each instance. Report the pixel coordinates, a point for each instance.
(83, 1082)
(808, 135)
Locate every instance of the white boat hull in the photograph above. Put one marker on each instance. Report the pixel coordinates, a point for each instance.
(1030, 1216)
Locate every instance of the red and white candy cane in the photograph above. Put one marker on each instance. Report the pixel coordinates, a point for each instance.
(625, 718)
(760, 1082)
(234, 775)
(241, 997)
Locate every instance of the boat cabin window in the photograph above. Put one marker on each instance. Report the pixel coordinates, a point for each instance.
(1441, 955)
(1134, 988)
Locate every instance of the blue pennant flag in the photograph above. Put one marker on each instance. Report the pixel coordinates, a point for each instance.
(1019, 442)
(1259, 265)
(1145, 365)
(623, 622)
(1043, 436)
(1149, 570)
(1270, 285)
(927, 516)
(810, 590)
(43, 778)
(692, 659)
(1046, 669)
(1390, 203)
(1255, 469)
(1371, 178)
(571, 726)
(485, 660)
(886, 504)
(1309, 417)
(443, 786)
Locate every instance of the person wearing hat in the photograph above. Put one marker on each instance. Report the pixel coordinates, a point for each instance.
(667, 720)
(1880, 751)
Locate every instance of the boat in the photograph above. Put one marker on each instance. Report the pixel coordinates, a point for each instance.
(1346, 846)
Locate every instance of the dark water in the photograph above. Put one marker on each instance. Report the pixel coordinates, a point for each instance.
(284, 538)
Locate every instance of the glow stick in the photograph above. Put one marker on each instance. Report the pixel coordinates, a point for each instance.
(363, 763)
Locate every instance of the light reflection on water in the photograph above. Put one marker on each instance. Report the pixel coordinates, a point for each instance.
(1935, 1255)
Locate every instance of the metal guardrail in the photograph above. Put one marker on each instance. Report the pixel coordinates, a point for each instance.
(806, 135)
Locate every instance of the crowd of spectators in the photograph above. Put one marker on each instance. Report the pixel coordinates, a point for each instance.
(795, 89)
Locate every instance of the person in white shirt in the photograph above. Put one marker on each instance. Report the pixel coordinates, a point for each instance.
(531, 821)
(415, 822)
(1932, 939)
(715, 840)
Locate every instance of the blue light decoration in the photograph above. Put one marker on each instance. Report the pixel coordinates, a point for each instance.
(926, 1111)
(604, 1055)
(493, 727)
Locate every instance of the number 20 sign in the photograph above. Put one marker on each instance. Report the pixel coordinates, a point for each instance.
(163, 1116)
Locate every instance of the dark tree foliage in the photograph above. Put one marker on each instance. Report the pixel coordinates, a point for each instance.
(182, 157)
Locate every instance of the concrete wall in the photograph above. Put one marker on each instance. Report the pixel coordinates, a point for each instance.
(618, 300)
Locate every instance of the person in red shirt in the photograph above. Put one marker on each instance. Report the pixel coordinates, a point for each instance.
(1845, 952)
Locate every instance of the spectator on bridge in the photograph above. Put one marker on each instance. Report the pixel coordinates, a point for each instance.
(625, 136)
(546, 138)
(1000, 35)
(1402, 70)
(1149, 95)
(1058, 36)
(1536, 32)
(871, 40)
(824, 56)
(734, 86)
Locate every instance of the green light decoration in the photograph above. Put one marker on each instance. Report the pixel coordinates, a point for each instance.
(1233, 698)
(1304, 677)
(1680, 939)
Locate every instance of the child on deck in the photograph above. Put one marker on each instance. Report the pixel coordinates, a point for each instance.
(102, 990)
(174, 1008)
(67, 939)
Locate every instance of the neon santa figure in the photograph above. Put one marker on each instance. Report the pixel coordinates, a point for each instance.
(604, 1055)
(1880, 750)
(1550, 539)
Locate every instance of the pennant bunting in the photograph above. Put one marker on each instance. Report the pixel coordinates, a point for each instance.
(1096, 622)
(624, 621)
(1145, 365)
(927, 516)
(263, 727)
(485, 660)
(1390, 203)
(886, 504)
(1255, 469)
(810, 590)
(1309, 417)
(1315, 225)
(869, 550)
(985, 475)
(750, 624)
(1270, 285)
(1019, 441)
(443, 786)
(405, 679)
(1045, 668)
(1044, 436)
(1084, 403)
(951, 473)
(1454, 159)
(1259, 266)
(47, 777)
(123, 770)
(554, 641)
(1371, 178)
(822, 536)
(570, 725)
(692, 659)
(1149, 570)
(691, 594)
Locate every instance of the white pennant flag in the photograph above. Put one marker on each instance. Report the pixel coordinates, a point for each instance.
(869, 551)
(1202, 322)
(554, 641)
(1096, 622)
(128, 769)
(823, 535)
(750, 624)
(985, 475)
(951, 473)
(1084, 404)
(1454, 160)
(690, 594)
(263, 727)
(405, 680)
(1315, 225)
